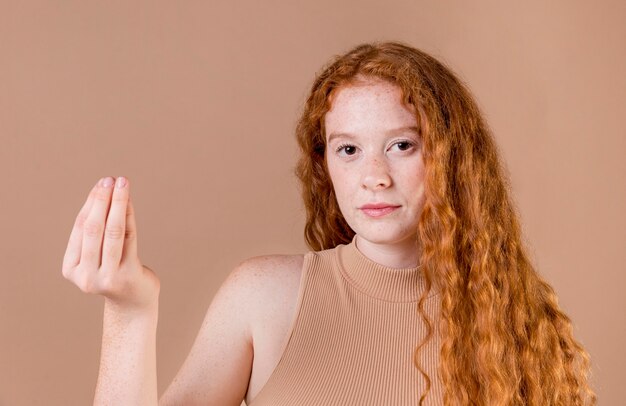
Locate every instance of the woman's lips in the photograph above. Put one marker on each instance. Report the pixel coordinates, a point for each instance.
(378, 211)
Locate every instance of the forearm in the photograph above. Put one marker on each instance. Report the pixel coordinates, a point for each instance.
(128, 374)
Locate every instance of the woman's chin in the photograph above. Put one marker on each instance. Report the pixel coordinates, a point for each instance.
(385, 237)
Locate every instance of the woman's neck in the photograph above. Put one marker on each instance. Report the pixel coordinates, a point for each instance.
(401, 254)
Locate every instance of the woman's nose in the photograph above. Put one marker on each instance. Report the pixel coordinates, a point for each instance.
(376, 174)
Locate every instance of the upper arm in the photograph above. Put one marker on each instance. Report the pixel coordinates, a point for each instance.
(217, 369)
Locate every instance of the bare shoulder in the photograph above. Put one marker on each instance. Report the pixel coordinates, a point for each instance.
(230, 345)
(273, 283)
(272, 265)
(267, 276)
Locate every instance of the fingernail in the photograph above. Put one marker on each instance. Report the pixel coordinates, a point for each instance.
(121, 182)
(108, 181)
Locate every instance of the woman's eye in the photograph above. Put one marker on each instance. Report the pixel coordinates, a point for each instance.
(347, 149)
(404, 145)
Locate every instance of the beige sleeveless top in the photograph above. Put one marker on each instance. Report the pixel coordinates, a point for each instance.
(352, 339)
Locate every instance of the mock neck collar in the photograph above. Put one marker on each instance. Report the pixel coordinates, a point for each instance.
(380, 281)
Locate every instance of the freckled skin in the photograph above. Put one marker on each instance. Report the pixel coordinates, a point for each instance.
(371, 159)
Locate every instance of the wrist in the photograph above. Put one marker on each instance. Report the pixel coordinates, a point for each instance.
(123, 314)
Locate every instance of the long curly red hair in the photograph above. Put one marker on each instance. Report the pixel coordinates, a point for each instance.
(505, 341)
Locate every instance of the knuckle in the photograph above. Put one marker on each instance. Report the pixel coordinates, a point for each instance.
(114, 232)
(108, 283)
(92, 229)
(88, 284)
(114, 283)
(130, 235)
(80, 220)
(66, 271)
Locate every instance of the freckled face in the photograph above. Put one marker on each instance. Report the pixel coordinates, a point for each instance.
(374, 158)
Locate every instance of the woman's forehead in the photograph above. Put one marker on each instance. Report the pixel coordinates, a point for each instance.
(367, 103)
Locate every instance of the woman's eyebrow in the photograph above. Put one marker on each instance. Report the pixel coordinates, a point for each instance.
(334, 135)
(413, 129)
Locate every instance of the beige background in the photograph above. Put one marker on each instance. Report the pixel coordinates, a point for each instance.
(196, 103)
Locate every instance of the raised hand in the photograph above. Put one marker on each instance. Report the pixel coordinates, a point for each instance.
(101, 256)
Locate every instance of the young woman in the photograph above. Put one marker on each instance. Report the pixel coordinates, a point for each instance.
(418, 289)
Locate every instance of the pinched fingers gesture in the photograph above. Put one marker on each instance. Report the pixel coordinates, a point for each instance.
(101, 256)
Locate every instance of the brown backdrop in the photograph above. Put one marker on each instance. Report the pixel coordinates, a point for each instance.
(196, 103)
